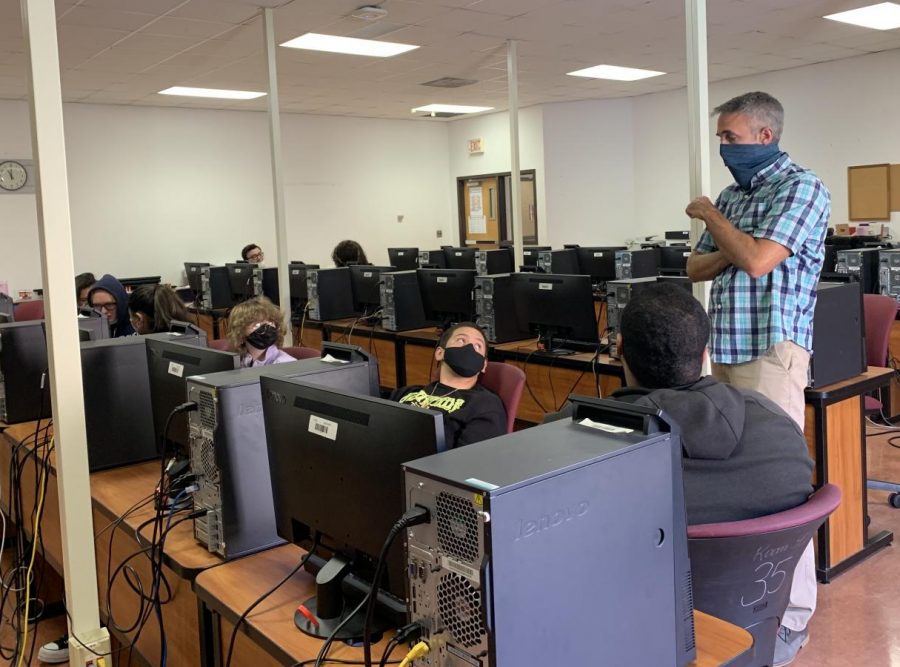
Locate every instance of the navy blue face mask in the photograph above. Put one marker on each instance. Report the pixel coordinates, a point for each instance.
(744, 161)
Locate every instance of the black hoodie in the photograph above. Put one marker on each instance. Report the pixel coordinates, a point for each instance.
(122, 324)
(743, 456)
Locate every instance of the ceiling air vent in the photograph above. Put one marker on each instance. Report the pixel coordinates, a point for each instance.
(449, 82)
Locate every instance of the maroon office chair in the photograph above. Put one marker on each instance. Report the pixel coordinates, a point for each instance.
(507, 381)
(33, 309)
(742, 570)
(880, 312)
(220, 344)
(299, 352)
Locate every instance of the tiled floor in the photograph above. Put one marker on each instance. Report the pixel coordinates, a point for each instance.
(857, 622)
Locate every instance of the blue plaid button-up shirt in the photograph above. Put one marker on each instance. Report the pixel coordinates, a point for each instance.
(791, 206)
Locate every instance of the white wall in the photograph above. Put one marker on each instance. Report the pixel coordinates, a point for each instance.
(151, 188)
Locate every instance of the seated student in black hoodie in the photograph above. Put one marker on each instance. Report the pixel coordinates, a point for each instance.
(471, 412)
(108, 295)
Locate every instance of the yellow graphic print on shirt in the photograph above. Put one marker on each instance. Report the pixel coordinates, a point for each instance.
(423, 399)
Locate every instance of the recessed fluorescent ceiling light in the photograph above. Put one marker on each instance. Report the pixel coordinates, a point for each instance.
(883, 16)
(449, 108)
(211, 92)
(358, 47)
(615, 73)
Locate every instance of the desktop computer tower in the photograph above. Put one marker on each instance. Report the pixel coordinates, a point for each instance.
(495, 309)
(215, 286)
(889, 273)
(528, 558)
(637, 263)
(228, 454)
(432, 259)
(861, 262)
(265, 283)
(330, 294)
(24, 384)
(491, 262)
(839, 339)
(401, 302)
(530, 254)
(618, 294)
(558, 261)
(675, 236)
(681, 281)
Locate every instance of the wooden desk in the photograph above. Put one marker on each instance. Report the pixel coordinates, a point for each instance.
(835, 435)
(309, 333)
(211, 321)
(268, 636)
(418, 347)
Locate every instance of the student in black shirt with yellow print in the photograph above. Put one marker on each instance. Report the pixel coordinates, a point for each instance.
(471, 412)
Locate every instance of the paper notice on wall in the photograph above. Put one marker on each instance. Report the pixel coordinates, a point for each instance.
(477, 223)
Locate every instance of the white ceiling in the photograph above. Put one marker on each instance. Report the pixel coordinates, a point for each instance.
(125, 51)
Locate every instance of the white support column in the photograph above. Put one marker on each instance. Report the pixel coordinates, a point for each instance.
(48, 141)
(698, 118)
(515, 179)
(284, 280)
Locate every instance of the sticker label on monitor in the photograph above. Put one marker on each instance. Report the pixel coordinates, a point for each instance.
(442, 279)
(295, 272)
(458, 253)
(546, 286)
(176, 369)
(686, 254)
(367, 274)
(237, 270)
(469, 573)
(323, 427)
(598, 254)
(400, 253)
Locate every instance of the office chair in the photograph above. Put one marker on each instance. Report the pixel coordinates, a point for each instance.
(742, 570)
(507, 381)
(29, 310)
(302, 352)
(880, 312)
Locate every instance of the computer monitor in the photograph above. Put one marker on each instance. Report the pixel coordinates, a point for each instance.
(193, 271)
(270, 285)
(558, 308)
(460, 258)
(24, 390)
(240, 277)
(170, 362)
(365, 284)
(447, 295)
(297, 278)
(403, 259)
(530, 254)
(131, 283)
(7, 308)
(673, 260)
(335, 460)
(92, 325)
(598, 262)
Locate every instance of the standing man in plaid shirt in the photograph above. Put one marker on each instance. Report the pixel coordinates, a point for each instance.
(763, 250)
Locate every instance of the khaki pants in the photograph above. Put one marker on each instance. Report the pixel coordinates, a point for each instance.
(781, 376)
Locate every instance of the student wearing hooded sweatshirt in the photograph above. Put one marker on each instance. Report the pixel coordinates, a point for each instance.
(108, 295)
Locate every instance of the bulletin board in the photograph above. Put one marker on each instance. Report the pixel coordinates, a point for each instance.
(895, 187)
(869, 188)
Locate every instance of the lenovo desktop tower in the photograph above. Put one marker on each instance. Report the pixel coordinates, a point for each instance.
(215, 286)
(495, 309)
(558, 261)
(861, 262)
(229, 459)
(491, 262)
(637, 263)
(618, 294)
(432, 259)
(529, 559)
(330, 294)
(889, 273)
(839, 340)
(401, 302)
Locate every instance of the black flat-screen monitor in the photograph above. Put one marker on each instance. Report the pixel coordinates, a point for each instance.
(299, 294)
(170, 363)
(364, 283)
(92, 325)
(598, 262)
(25, 394)
(530, 254)
(130, 283)
(403, 259)
(240, 277)
(557, 307)
(335, 460)
(193, 271)
(673, 260)
(460, 258)
(447, 295)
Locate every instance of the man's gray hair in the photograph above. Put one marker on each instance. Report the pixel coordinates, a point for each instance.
(765, 110)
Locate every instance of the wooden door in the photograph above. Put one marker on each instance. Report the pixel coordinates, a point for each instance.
(481, 201)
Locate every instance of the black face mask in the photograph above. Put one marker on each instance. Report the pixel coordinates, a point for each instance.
(464, 361)
(263, 337)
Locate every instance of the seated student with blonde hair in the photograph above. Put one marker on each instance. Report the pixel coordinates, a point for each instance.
(256, 330)
(154, 307)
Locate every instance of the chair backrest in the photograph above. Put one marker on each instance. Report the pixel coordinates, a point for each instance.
(32, 309)
(880, 312)
(300, 352)
(220, 344)
(742, 570)
(507, 381)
